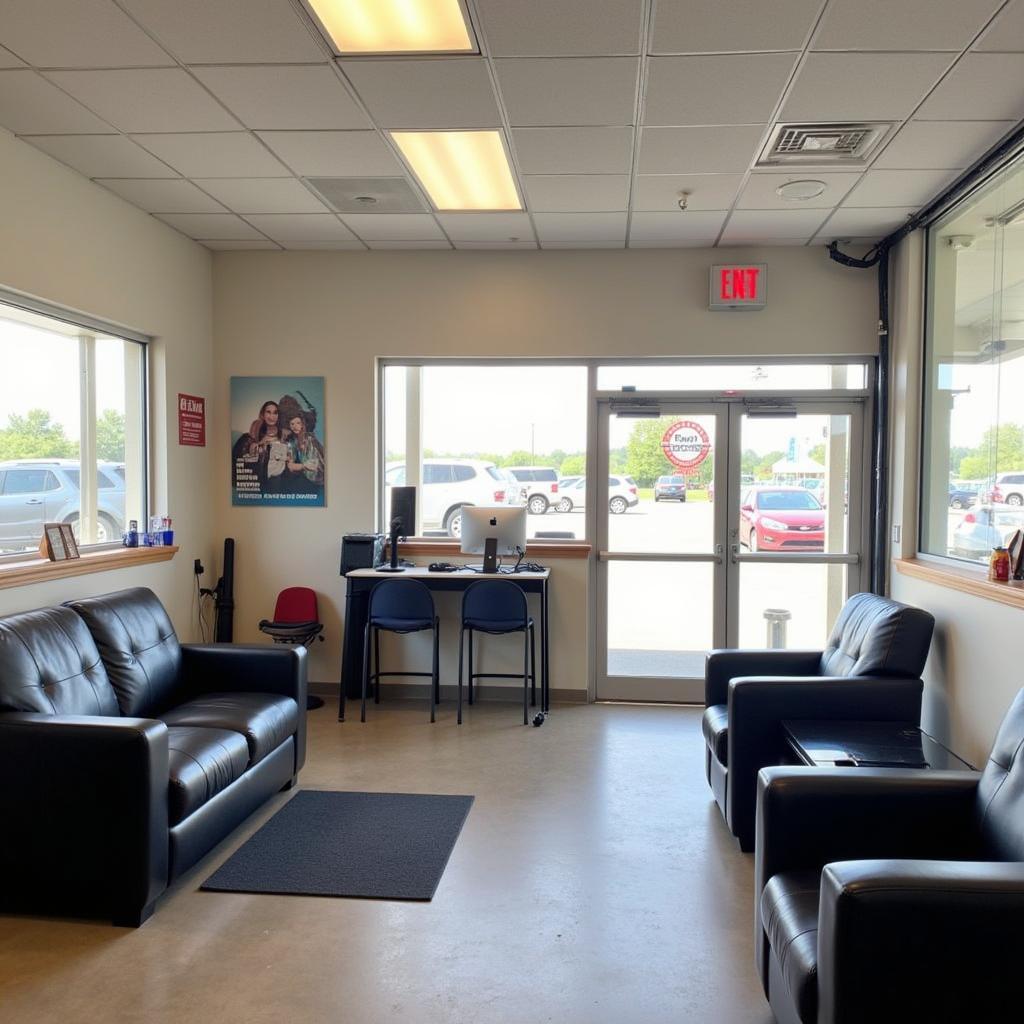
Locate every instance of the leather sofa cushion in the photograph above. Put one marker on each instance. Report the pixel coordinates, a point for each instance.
(264, 719)
(201, 763)
(789, 912)
(715, 726)
(139, 648)
(1001, 788)
(50, 665)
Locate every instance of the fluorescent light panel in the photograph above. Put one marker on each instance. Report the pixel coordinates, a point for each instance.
(461, 170)
(395, 26)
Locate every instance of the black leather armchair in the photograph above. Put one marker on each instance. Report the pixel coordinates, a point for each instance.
(893, 895)
(870, 670)
(125, 757)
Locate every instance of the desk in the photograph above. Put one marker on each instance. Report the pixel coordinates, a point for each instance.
(359, 583)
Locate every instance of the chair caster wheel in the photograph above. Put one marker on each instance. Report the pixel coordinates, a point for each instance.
(538, 719)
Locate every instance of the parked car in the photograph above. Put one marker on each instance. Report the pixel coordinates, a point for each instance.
(622, 494)
(670, 488)
(448, 484)
(541, 487)
(1008, 489)
(781, 519)
(37, 491)
(960, 497)
(983, 528)
(517, 491)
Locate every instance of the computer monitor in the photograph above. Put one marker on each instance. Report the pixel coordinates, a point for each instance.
(403, 507)
(506, 523)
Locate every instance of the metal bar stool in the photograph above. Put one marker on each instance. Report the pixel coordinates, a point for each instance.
(498, 607)
(398, 606)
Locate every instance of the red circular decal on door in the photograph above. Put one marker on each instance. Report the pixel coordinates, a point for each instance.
(686, 444)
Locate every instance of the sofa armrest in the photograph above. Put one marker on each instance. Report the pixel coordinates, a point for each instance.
(758, 705)
(249, 668)
(919, 940)
(84, 813)
(722, 666)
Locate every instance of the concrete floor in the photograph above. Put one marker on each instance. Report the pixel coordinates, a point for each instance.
(594, 881)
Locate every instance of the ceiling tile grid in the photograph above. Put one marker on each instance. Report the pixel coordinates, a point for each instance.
(212, 114)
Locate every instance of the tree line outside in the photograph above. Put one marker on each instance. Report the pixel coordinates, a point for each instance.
(35, 435)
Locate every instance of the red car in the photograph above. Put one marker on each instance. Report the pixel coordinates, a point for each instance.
(782, 519)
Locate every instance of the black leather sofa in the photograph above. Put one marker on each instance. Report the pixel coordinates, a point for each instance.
(870, 670)
(126, 756)
(887, 896)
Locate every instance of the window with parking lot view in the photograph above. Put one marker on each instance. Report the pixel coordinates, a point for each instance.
(972, 487)
(71, 430)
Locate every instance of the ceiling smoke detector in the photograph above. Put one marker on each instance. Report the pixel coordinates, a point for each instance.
(843, 145)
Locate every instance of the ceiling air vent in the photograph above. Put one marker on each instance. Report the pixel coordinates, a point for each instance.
(368, 195)
(842, 145)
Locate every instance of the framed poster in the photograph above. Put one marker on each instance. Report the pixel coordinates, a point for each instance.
(192, 420)
(278, 441)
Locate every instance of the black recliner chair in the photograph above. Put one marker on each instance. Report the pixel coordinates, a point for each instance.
(870, 670)
(888, 895)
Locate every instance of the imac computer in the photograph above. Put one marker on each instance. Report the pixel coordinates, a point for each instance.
(505, 523)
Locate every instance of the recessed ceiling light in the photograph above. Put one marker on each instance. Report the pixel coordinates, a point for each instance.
(800, 191)
(395, 26)
(461, 170)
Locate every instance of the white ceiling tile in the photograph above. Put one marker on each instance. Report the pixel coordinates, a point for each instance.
(393, 226)
(409, 243)
(30, 105)
(229, 31)
(862, 86)
(331, 244)
(707, 191)
(709, 26)
(675, 227)
(587, 243)
(485, 227)
(906, 25)
(214, 155)
(520, 244)
(899, 188)
(876, 223)
(426, 94)
(584, 91)
(566, 193)
(580, 227)
(77, 34)
(284, 97)
(697, 242)
(989, 83)
(301, 227)
(757, 226)
(698, 150)
(209, 225)
(574, 150)
(334, 154)
(263, 195)
(760, 194)
(173, 195)
(527, 28)
(147, 100)
(230, 245)
(941, 144)
(102, 156)
(1007, 31)
(715, 89)
(8, 60)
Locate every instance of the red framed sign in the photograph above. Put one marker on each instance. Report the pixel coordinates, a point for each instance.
(192, 420)
(686, 445)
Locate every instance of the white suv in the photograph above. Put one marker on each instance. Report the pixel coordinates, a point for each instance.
(447, 485)
(541, 483)
(622, 494)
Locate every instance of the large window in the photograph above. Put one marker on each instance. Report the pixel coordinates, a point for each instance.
(973, 452)
(72, 429)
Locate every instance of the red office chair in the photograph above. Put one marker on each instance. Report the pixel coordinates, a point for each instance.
(296, 621)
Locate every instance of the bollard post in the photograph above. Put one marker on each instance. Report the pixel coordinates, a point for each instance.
(776, 618)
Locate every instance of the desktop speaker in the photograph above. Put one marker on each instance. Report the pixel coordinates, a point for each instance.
(361, 551)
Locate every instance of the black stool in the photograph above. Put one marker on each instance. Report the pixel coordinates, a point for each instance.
(498, 607)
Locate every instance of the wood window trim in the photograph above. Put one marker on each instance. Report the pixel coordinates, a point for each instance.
(40, 570)
(963, 578)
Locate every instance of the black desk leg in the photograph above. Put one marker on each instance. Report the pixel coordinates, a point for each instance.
(545, 683)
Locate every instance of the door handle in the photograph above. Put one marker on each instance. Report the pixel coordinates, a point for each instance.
(734, 550)
(719, 554)
(34, 501)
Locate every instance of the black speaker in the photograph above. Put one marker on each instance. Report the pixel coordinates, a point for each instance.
(361, 551)
(403, 506)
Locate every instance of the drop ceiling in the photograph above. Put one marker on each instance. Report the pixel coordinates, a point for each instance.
(212, 115)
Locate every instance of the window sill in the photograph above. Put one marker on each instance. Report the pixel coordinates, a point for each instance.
(969, 581)
(540, 549)
(39, 570)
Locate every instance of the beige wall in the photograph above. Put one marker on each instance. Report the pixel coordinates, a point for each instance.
(334, 313)
(72, 243)
(974, 669)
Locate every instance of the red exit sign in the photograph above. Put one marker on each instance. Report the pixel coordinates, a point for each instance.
(739, 286)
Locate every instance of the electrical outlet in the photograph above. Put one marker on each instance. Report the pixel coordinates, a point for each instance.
(197, 567)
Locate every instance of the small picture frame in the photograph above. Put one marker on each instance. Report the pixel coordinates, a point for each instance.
(53, 546)
(70, 544)
(1015, 546)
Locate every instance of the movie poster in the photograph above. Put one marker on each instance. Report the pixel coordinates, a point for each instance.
(277, 441)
